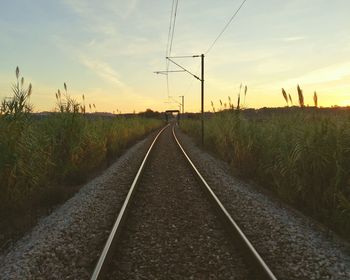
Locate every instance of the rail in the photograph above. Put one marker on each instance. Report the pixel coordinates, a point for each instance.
(112, 238)
(263, 271)
(260, 264)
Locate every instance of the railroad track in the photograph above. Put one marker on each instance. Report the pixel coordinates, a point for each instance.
(169, 228)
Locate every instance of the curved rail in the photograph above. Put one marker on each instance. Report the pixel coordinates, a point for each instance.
(253, 255)
(106, 253)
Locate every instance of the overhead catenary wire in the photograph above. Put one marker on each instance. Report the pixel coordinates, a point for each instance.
(225, 27)
(191, 82)
(167, 46)
(171, 32)
(173, 29)
(183, 68)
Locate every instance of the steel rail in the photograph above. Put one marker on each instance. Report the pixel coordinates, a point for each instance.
(112, 238)
(260, 264)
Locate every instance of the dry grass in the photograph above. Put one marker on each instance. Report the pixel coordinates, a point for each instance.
(303, 155)
(38, 155)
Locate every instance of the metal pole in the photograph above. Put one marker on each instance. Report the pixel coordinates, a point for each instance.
(182, 103)
(202, 97)
(202, 85)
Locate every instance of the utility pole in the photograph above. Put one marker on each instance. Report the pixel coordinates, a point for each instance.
(182, 103)
(202, 96)
(183, 69)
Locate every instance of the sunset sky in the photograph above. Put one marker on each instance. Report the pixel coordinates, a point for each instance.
(109, 49)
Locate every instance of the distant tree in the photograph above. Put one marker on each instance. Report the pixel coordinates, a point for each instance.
(149, 113)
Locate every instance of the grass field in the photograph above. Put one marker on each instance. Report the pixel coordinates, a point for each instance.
(301, 154)
(39, 155)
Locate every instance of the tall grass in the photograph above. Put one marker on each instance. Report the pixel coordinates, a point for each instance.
(302, 155)
(63, 148)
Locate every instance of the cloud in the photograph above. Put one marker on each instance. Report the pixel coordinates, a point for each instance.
(88, 13)
(103, 70)
(111, 34)
(89, 9)
(293, 39)
(98, 66)
(78, 6)
(336, 72)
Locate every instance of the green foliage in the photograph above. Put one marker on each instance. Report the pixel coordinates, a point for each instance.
(21, 169)
(303, 156)
(38, 153)
(61, 148)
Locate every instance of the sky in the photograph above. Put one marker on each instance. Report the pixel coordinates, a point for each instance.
(108, 50)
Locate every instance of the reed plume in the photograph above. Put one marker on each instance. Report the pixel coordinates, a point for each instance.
(212, 105)
(315, 99)
(238, 100)
(285, 95)
(301, 97)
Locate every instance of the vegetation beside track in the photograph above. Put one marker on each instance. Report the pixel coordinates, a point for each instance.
(301, 154)
(43, 158)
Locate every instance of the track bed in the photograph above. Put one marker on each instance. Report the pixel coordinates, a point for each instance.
(172, 231)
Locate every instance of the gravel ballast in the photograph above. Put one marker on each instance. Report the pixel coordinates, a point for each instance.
(293, 245)
(172, 230)
(67, 243)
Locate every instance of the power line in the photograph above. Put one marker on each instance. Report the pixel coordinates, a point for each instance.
(191, 83)
(174, 21)
(167, 84)
(183, 68)
(169, 32)
(171, 38)
(183, 56)
(225, 27)
(167, 46)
